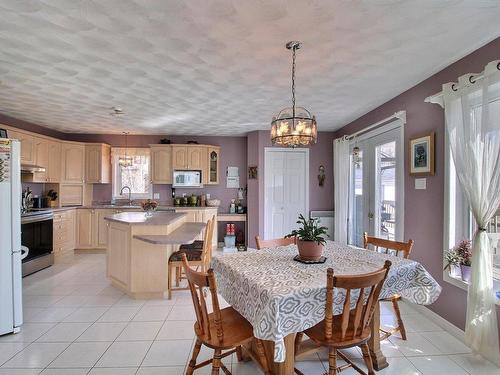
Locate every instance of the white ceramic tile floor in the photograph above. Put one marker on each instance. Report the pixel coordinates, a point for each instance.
(77, 323)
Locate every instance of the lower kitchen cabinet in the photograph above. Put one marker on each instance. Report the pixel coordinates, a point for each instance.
(64, 229)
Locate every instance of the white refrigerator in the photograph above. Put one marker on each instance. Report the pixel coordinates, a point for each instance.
(11, 305)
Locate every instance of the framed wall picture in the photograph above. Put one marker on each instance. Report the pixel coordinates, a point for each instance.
(3, 133)
(422, 155)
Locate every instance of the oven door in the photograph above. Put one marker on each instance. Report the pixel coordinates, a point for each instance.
(37, 237)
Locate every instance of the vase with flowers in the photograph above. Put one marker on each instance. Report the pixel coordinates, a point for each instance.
(464, 251)
(453, 263)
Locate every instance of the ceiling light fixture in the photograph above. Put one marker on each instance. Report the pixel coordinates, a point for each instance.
(125, 160)
(294, 126)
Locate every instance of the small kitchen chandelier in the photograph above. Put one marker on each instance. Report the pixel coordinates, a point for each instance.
(294, 126)
(125, 160)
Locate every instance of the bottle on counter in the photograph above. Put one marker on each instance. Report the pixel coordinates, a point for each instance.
(232, 207)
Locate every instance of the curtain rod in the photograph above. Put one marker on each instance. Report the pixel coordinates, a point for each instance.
(401, 115)
(437, 98)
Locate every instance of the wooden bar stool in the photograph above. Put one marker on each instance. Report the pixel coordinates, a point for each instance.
(352, 327)
(199, 258)
(222, 329)
(262, 244)
(386, 246)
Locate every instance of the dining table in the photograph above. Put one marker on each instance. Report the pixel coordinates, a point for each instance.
(282, 297)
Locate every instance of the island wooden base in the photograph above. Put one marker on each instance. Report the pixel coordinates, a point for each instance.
(308, 346)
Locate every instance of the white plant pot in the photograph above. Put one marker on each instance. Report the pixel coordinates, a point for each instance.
(455, 271)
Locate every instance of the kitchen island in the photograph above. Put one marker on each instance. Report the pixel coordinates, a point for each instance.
(137, 263)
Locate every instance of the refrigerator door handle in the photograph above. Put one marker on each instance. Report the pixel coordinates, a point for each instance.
(24, 252)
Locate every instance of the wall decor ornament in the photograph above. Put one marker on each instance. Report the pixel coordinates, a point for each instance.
(421, 155)
(252, 173)
(321, 175)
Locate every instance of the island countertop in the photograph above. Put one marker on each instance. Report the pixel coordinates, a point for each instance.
(140, 218)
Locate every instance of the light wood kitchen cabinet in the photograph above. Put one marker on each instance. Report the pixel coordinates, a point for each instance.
(98, 163)
(64, 231)
(71, 194)
(73, 162)
(54, 171)
(100, 227)
(179, 157)
(213, 155)
(85, 237)
(197, 157)
(27, 145)
(41, 159)
(161, 164)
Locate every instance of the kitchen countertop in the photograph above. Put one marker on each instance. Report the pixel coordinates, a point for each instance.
(185, 234)
(124, 207)
(139, 218)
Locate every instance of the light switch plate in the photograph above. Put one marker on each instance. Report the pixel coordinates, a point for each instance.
(156, 196)
(420, 183)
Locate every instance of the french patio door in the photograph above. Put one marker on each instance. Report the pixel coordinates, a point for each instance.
(377, 185)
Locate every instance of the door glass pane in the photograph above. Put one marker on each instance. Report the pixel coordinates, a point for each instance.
(385, 190)
(358, 199)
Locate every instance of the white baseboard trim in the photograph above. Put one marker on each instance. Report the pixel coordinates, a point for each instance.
(440, 321)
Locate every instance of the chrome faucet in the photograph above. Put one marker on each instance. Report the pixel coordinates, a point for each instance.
(129, 194)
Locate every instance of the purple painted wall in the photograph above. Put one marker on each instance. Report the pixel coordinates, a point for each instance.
(424, 209)
(233, 153)
(320, 197)
(25, 125)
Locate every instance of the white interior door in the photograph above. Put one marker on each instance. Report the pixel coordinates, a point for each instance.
(286, 190)
(376, 193)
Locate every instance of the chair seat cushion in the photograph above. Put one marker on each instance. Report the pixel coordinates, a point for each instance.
(196, 245)
(191, 254)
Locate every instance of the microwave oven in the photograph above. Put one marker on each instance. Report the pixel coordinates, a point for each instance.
(188, 179)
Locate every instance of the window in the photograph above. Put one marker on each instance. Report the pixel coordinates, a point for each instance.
(459, 221)
(136, 177)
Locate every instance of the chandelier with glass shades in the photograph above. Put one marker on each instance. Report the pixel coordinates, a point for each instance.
(125, 160)
(294, 126)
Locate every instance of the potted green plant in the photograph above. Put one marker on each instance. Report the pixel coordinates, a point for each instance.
(453, 262)
(310, 238)
(463, 250)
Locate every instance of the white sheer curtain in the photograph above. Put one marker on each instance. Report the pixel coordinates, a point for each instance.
(472, 112)
(341, 159)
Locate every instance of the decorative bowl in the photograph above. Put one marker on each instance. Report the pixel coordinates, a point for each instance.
(213, 202)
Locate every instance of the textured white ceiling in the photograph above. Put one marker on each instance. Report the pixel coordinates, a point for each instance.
(220, 67)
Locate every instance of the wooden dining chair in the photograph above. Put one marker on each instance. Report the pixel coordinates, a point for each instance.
(262, 244)
(388, 246)
(198, 258)
(352, 327)
(222, 329)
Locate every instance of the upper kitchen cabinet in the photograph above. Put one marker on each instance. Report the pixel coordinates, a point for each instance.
(73, 162)
(41, 159)
(179, 157)
(197, 157)
(54, 171)
(98, 163)
(161, 164)
(213, 165)
(27, 145)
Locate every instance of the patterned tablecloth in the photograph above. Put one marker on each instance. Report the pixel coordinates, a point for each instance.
(279, 296)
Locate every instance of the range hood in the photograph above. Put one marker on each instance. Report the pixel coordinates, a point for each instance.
(31, 168)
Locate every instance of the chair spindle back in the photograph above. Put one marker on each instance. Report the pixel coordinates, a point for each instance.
(357, 320)
(387, 245)
(262, 244)
(198, 282)
(206, 253)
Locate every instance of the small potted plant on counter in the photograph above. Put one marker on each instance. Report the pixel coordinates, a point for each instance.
(453, 263)
(463, 250)
(310, 238)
